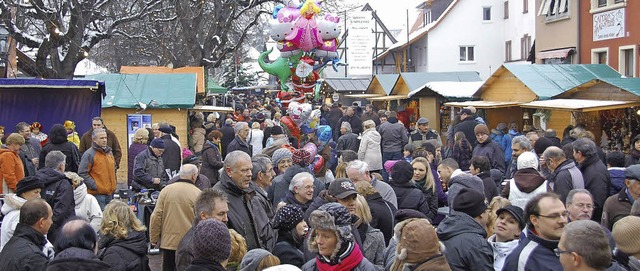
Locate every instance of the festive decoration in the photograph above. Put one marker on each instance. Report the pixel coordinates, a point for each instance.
(316, 164)
(312, 149)
(324, 135)
(290, 127)
(280, 68)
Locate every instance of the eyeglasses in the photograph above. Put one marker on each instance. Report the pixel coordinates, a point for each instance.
(558, 251)
(564, 214)
(582, 205)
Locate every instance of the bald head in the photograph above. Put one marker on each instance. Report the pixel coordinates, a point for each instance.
(188, 172)
(77, 233)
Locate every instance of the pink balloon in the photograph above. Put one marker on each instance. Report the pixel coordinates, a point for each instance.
(305, 34)
(312, 149)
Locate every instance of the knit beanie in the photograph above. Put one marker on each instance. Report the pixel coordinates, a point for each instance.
(252, 259)
(157, 143)
(527, 160)
(481, 129)
(406, 214)
(541, 145)
(28, 184)
(470, 201)
(331, 216)
(301, 157)
(211, 240)
(626, 233)
(276, 130)
(402, 172)
(288, 217)
(417, 240)
(280, 154)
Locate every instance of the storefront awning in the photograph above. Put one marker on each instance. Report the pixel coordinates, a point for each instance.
(560, 53)
(363, 96)
(387, 98)
(579, 105)
(483, 104)
(211, 108)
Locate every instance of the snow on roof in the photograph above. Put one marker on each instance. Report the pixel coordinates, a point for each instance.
(450, 89)
(88, 67)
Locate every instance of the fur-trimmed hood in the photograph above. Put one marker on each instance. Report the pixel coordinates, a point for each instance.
(335, 217)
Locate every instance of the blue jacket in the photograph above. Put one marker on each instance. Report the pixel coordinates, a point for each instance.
(535, 253)
(617, 180)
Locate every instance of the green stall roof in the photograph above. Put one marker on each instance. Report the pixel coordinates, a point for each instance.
(548, 80)
(171, 90)
(629, 84)
(214, 88)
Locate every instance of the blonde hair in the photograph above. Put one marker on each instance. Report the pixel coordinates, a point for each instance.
(429, 180)
(362, 210)
(238, 248)
(118, 219)
(268, 261)
(76, 180)
(309, 7)
(365, 189)
(255, 125)
(141, 136)
(341, 170)
(15, 138)
(496, 203)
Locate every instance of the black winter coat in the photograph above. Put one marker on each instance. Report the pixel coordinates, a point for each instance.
(58, 192)
(280, 186)
(466, 126)
(172, 155)
(74, 258)
(411, 197)
(355, 122)
(466, 243)
(597, 180)
(288, 250)
(490, 189)
(58, 142)
(238, 144)
(228, 134)
(24, 250)
(462, 153)
(491, 150)
(211, 162)
(128, 254)
(382, 213)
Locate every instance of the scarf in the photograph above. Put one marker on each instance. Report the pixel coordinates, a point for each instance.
(346, 263)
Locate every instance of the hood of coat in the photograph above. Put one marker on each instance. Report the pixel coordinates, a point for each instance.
(458, 223)
(12, 202)
(467, 180)
(57, 134)
(528, 179)
(80, 193)
(252, 259)
(49, 176)
(502, 247)
(135, 242)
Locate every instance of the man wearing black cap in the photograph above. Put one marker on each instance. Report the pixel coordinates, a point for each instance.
(466, 125)
(423, 133)
(172, 154)
(463, 233)
(148, 167)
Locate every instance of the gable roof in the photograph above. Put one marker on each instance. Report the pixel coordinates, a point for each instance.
(629, 84)
(386, 81)
(418, 80)
(348, 84)
(548, 80)
(168, 90)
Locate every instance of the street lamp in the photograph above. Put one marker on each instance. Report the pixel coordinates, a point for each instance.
(4, 48)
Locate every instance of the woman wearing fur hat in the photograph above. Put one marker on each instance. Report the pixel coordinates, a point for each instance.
(419, 248)
(333, 242)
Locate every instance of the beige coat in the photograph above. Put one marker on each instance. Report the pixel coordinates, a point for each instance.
(173, 214)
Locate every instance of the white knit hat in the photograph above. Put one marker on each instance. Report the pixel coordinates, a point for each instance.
(527, 160)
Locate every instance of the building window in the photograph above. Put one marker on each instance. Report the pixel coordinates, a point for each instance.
(427, 17)
(602, 3)
(506, 9)
(627, 61)
(486, 13)
(507, 51)
(618, 1)
(600, 56)
(467, 53)
(525, 6)
(525, 45)
(554, 9)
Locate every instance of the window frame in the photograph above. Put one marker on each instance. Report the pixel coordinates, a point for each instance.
(595, 53)
(525, 6)
(484, 9)
(507, 51)
(466, 53)
(596, 7)
(506, 9)
(622, 58)
(525, 46)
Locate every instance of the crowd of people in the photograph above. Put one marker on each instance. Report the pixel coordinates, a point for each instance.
(245, 194)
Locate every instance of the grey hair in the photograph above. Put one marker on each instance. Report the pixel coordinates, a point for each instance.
(587, 239)
(298, 180)
(573, 192)
(54, 159)
(20, 126)
(585, 146)
(233, 157)
(95, 132)
(206, 201)
(361, 166)
(346, 125)
(522, 141)
(260, 164)
(188, 170)
(239, 126)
